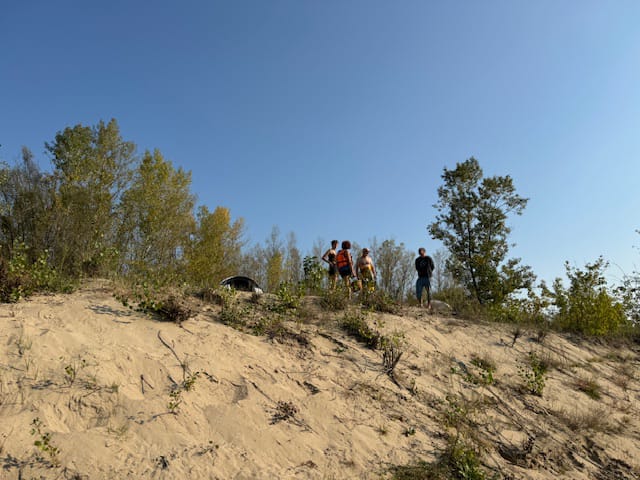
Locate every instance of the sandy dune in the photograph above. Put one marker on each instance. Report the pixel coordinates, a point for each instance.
(97, 380)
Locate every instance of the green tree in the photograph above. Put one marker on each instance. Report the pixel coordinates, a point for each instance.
(587, 306)
(215, 249)
(25, 206)
(157, 216)
(471, 223)
(92, 166)
(274, 260)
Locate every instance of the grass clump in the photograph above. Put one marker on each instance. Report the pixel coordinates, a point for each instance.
(392, 350)
(590, 387)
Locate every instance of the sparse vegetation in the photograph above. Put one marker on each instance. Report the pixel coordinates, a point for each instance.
(589, 386)
(355, 324)
(72, 369)
(334, 299)
(288, 297)
(487, 368)
(175, 394)
(534, 373)
(393, 347)
(43, 441)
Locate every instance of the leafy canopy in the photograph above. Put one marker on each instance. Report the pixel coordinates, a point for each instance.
(472, 225)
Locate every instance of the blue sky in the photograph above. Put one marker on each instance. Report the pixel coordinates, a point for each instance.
(336, 118)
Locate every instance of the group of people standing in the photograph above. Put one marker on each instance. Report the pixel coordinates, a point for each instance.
(364, 271)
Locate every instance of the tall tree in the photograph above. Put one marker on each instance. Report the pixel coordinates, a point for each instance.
(25, 206)
(394, 266)
(157, 213)
(92, 166)
(215, 249)
(293, 260)
(471, 224)
(274, 260)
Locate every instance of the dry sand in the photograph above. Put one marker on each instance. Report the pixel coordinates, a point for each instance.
(315, 404)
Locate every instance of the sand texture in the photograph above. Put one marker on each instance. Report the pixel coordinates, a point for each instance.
(91, 381)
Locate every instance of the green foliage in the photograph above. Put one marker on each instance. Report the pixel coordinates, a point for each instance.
(461, 301)
(43, 441)
(157, 217)
(530, 310)
(355, 324)
(458, 461)
(21, 277)
(629, 296)
(313, 274)
(378, 301)
(232, 312)
(334, 299)
(155, 296)
(487, 370)
(534, 374)
(288, 297)
(586, 306)
(472, 225)
(175, 394)
(72, 369)
(214, 252)
(91, 169)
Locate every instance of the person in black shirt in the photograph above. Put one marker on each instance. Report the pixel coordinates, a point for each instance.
(330, 257)
(425, 267)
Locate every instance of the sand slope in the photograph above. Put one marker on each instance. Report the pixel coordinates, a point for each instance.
(316, 404)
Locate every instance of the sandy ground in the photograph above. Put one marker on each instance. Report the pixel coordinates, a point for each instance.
(91, 382)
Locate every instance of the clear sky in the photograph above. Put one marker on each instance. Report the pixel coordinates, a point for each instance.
(336, 118)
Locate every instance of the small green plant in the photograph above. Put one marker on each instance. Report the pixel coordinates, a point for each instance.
(355, 324)
(378, 301)
(231, 313)
(43, 441)
(175, 399)
(334, 300)
(289, 296)
(534, 374)
(458, 461)
(175, 394)
(72, 369)
(313, 274)
(190, 381)
(456, 413)
(487, 369)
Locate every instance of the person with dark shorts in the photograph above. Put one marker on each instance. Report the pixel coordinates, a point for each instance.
(330, 257)
(425, 267)
(345, 265)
